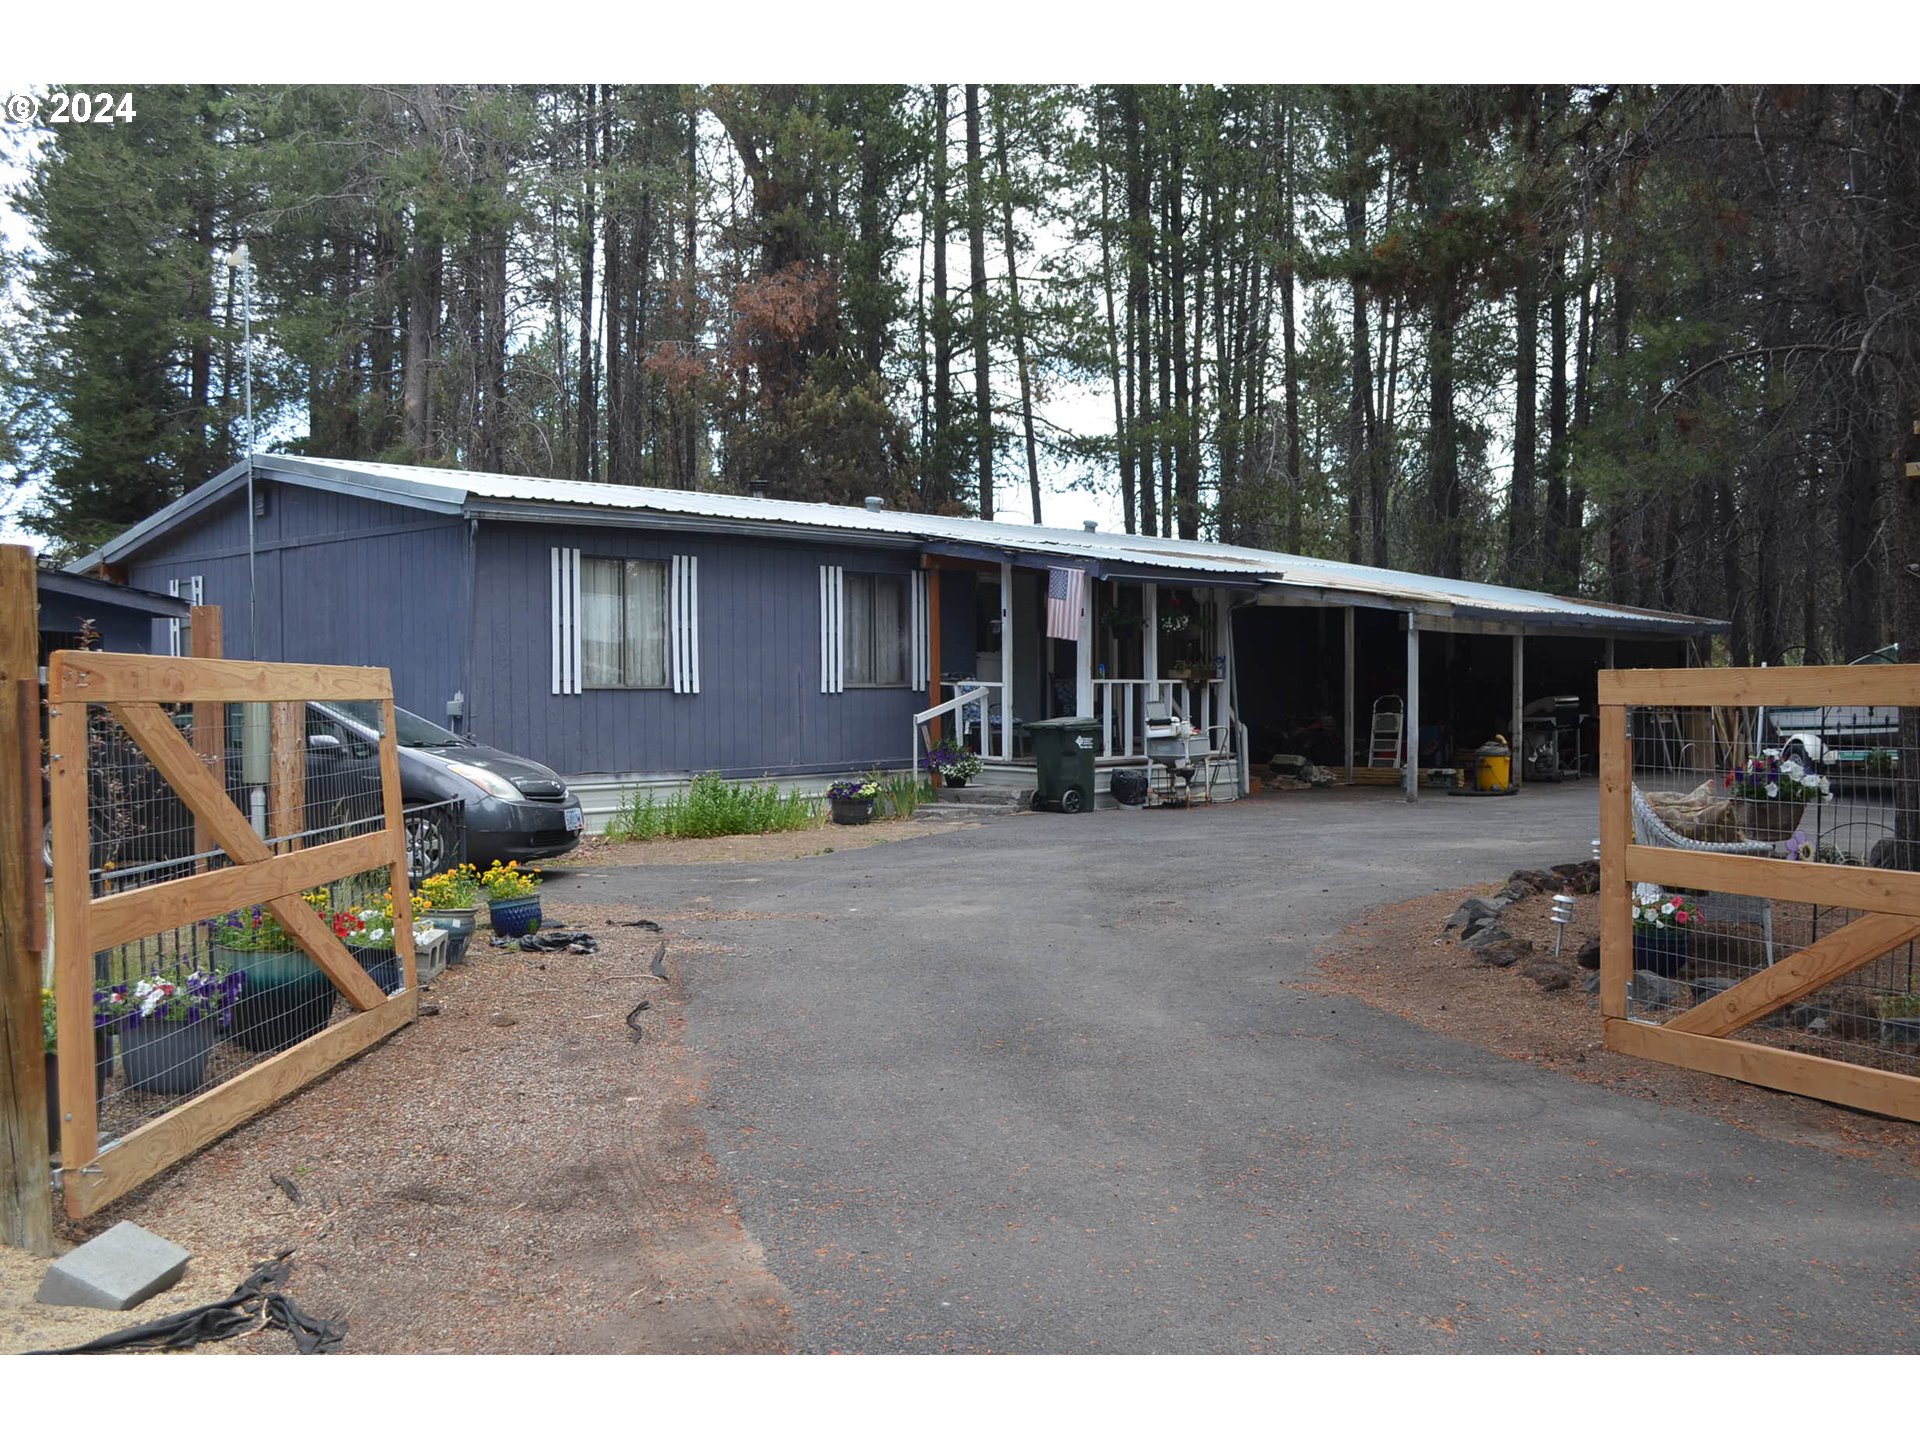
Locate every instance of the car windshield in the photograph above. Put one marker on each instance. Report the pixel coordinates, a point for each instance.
(409, 728)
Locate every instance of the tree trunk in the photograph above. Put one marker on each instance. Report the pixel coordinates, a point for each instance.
(977, 313)
(1018, 317)
(1526, 382)
(941, 461)
(1139, 303)
(1121, 376)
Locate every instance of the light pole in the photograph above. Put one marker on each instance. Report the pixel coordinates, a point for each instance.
(238, 260)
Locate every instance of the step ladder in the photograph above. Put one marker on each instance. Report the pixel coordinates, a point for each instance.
(1389, 725)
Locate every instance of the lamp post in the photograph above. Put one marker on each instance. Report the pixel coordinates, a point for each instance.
(238, 260)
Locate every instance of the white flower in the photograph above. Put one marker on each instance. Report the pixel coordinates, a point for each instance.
(1791, 769)
(1773, 791)
(1667, 908)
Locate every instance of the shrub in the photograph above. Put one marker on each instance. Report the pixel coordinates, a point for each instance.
(712, 807)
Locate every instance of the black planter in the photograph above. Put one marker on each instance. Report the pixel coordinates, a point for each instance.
(958, 782)
(852, 812)
(1664, 952)
(383, 965)
(102, 1073)
(167, 1057)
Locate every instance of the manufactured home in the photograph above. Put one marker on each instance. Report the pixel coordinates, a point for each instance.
(634, 637)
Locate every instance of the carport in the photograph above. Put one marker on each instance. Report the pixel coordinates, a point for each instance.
(1319, 648)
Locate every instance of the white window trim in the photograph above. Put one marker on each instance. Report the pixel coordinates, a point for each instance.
(683, 624)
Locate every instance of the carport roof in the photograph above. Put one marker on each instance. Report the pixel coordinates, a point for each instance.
(1105, 554)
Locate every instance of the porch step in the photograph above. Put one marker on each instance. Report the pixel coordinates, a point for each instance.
(974, 800)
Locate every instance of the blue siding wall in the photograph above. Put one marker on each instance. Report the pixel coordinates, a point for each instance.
(342, 581)
(760, 710)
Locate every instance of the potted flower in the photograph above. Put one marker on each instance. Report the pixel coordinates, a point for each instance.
(286, 998)
(102, 1056)
(1899, 1019)
(851, 801)
(1770, 795)
(1663, 928)
(954, 762)
(453, 901)
(169, 1025)
(513, 899)
(368, 933)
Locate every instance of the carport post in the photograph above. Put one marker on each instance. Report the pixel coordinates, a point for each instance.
(1519, 707)
(1349, 628)
(1006, 669)
(1412, 737)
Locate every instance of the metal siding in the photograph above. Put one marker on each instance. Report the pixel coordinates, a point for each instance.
(337, 595)
(759, 705)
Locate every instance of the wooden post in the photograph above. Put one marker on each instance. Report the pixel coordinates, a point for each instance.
(287, 789)
(209, 717)
(1349, 629)
(934, 697)
(1616, 829)
(1150, 638)
(1411, 738)
(26, 1174)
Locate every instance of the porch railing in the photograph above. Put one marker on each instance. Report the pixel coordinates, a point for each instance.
(922, 737)
(1121, 708)
(981, 714)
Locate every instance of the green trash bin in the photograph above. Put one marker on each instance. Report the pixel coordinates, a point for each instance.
(1063, 755)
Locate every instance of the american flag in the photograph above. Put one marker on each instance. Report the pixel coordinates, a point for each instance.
(1066, 592)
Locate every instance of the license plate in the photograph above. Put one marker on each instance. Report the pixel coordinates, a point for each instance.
(576, 818)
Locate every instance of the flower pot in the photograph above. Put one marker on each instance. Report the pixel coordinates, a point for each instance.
(1664, 952)
(382, 963)
(1768, 819)
(514, 917)
(285, 998)
(459, 925)
(166, 1057)
(102, 1073)
(852, 812)
(958, 782)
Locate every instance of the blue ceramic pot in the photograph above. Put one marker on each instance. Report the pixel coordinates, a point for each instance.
(285, 999)
(514, 917)
(459, 925)
(382, 964)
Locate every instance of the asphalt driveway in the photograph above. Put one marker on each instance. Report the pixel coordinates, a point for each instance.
(1055, 1085)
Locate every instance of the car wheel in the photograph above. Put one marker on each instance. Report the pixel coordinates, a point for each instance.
(1796, 751)
(426, 846)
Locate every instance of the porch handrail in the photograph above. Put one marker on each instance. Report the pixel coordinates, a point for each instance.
(922, 719)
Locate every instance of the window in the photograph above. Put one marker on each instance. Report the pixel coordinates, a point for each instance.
(180, 632)
(876, 620)
(623, 624)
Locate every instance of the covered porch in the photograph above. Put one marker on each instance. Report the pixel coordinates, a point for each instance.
(1144, 649)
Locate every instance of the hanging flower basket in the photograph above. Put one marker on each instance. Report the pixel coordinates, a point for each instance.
(1768, 819)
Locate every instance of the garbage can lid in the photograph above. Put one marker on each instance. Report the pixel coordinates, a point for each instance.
(1495, 748)
(1065, 722)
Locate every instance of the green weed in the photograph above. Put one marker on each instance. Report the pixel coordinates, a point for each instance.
(712, 807)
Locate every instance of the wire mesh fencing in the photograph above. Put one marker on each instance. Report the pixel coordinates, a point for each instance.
(1812, 952)
(231, 892)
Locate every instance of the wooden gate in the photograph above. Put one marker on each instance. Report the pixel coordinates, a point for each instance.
(1886, 902)
(133, 689)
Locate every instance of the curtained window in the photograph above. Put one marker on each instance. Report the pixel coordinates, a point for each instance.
(623, 624)
(876, 611)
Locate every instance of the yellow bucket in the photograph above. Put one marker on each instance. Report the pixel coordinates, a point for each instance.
(1494, 770)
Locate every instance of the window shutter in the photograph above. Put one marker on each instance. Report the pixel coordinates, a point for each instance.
(683, 625)
(833, 660)
(173, 625)
(566, 621)
(921, 632)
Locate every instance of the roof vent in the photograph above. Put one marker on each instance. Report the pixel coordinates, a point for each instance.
(874, 502)
(1090, 524)
(757, 489)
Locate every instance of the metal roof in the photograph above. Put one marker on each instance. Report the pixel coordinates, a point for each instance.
(1106, 553)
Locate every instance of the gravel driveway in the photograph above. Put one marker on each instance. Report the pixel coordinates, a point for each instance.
(1057, 1084)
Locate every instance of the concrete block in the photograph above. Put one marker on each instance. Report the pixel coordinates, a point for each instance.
(114, 1271)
